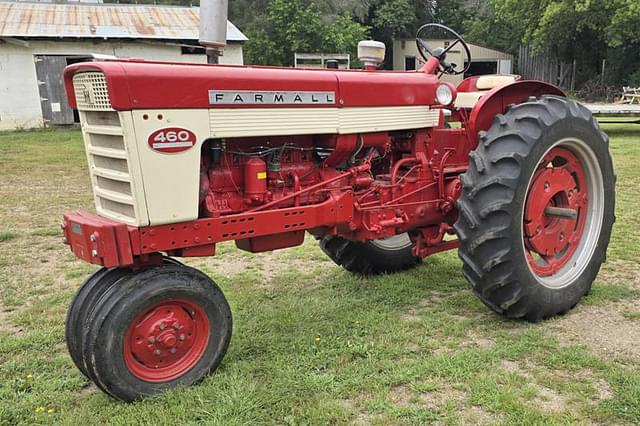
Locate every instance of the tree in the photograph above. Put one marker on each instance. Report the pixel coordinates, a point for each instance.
(586, 31)
(292, 26)
(390, 19)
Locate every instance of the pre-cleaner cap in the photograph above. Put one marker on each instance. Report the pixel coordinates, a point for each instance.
(371, 53)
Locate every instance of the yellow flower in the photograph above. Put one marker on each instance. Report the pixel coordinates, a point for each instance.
(317, 338)
(40, 410)
(50, 410)
(29, 376)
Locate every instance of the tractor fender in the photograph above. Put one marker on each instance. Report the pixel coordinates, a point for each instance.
(497, 100)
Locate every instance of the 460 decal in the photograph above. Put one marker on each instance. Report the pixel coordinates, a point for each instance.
(171, 140)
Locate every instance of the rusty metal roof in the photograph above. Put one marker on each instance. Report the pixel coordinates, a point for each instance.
(87, 20)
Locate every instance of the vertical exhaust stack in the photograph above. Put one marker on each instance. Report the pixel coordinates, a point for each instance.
(213, 28)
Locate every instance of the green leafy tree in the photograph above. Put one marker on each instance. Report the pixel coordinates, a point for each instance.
(586, 31)
(292, 26)
(624, 28)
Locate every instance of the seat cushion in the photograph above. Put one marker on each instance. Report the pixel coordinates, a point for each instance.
(484, 83)
(491, 81)
(468, 99)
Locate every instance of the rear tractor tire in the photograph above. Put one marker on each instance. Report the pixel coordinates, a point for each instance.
(537, 209)
(149, 331)
(374, 257)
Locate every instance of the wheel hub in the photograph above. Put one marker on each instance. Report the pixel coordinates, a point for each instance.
(554, 216)
(166, 340)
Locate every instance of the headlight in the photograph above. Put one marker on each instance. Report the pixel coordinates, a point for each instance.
(445, 94)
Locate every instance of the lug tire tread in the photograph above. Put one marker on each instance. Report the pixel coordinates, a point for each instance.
(489, 215)
(365, 258)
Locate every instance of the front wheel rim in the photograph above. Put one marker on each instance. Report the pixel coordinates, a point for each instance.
(166, 340)
(568, 179)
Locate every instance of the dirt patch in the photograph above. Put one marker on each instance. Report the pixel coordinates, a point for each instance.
(547, 399)
(405, 397)
(620, 272)
(603, 389)
(267, 265)
(8, 327)
(362, 418)
(474, 339)
(480, 416)
(434, 299)
(604, 329)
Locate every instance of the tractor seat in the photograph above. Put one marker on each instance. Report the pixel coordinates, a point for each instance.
(483, 84)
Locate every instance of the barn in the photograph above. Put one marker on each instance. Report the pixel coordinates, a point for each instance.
(38, 40)
(483, 60)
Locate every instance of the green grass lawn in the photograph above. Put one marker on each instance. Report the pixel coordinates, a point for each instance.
(313, 344)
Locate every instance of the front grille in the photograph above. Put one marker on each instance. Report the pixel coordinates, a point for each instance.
(91, 93)
(107, 153)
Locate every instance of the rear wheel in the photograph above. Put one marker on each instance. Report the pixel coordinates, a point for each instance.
(385, 255)
(537, 209)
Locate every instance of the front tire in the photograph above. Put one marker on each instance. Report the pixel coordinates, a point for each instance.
(84, 301)
(163, 327)
(374, 257)
(537, 209)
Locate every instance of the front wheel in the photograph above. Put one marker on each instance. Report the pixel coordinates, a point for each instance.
(161, 328)
(537, 209)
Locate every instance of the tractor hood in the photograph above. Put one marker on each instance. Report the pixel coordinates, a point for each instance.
(136, 84)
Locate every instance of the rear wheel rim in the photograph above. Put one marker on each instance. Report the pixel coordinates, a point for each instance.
(396, 242)
(559, 249)
(166, 340)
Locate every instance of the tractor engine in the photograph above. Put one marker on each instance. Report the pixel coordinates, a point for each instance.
(239, 175)
(252, 174)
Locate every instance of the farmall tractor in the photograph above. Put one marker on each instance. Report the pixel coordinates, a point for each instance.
(382, 168)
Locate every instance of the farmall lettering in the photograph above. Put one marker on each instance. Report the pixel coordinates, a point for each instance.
(521, 183)
(233, 97)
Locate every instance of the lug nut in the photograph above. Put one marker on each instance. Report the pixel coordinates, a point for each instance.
(93, 238)
(176, 326)
(94, 253)
(181, 337)
(162, 326)
(156, 352)
(173, 350)
(152, 339)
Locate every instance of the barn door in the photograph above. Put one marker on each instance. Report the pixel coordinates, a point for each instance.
(53, 99)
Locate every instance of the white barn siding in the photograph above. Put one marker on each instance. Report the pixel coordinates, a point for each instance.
(403, 48)
(19, 96)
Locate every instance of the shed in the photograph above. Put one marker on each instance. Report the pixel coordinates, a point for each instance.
(38, 40)
(483, 60)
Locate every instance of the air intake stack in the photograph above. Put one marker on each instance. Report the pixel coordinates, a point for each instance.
(213, 28)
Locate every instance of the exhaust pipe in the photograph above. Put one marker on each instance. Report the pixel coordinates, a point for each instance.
(213, 28)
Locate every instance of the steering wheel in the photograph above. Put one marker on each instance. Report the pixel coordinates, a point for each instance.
(441, 53)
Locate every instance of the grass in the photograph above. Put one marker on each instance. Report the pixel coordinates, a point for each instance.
(313, 344)
(7, 236)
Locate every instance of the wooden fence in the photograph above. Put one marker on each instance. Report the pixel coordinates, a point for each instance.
(545, 68)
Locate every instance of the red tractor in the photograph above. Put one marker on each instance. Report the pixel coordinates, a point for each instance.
(383, 168)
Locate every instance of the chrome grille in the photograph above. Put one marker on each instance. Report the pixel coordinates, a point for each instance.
(109, 166)
(91, 93)
(106, 148)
